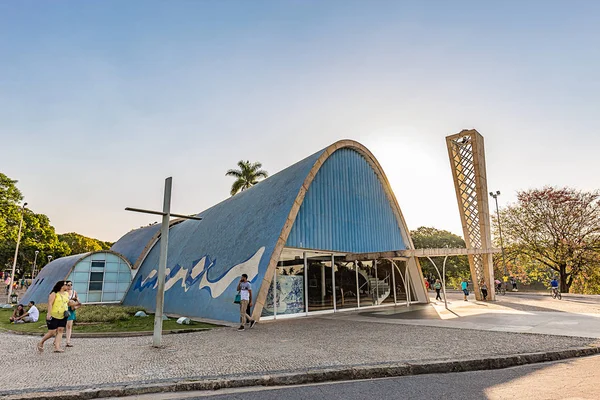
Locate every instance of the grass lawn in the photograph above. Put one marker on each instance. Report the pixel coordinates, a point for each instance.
(96, 318)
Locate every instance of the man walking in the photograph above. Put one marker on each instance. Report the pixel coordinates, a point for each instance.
(245, 301)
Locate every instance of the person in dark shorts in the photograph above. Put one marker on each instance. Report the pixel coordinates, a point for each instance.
(56, 319)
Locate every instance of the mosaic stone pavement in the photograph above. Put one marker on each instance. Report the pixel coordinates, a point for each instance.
(290, 345)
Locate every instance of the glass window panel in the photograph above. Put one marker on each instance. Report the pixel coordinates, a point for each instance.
(98, 264)
(122, 286)
(320, 287)
(366, 280)
(95, 286)
(99, 256)
(112, 267)
(94, 297)
(110, 286)
(345, 284)
(120, 296)
(124, 268)
(290, 284)
(111, 257)
(384, 274)
(97, 276)
(80, 276)
(82, 297)
(80, 287)
(83, 266)
(111, 277)
(109, 296)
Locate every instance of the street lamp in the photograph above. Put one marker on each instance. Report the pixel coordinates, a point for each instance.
(34, 262)
(49, 259)
(12, 277)
(495, 196)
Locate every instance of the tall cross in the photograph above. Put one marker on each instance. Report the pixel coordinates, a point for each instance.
(162, 263)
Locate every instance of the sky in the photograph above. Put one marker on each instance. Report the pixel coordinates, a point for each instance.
(101, 101)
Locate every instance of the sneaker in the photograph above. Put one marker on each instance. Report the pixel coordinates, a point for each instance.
(241, 328)
(252, 323)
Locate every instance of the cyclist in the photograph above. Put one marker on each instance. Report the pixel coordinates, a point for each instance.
(498, 285)
(554, 284)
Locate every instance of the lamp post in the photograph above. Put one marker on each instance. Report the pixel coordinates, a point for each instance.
(49, 259)
(12, 277)
(495, 196)
(34, 262)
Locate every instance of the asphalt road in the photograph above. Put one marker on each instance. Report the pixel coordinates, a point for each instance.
(572, 379)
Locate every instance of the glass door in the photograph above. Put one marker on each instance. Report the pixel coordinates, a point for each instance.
(320, 281)
(345, 284)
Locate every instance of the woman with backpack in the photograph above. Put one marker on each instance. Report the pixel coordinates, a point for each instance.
(437, 286)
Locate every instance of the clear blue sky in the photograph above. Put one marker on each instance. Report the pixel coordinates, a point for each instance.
(100, 101)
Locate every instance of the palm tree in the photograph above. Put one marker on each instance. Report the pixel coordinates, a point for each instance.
(247, 176)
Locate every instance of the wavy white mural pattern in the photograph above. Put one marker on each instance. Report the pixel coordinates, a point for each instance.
(199, 273)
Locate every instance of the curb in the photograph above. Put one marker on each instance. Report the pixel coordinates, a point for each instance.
(111, 334)
(314, 376)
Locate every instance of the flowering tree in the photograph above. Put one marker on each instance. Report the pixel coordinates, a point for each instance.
(556, 229)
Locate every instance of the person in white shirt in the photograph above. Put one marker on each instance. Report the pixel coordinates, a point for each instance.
(32, 315)
(245, 290)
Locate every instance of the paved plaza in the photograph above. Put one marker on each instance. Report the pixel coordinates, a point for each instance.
(305, 344)
(575, 315)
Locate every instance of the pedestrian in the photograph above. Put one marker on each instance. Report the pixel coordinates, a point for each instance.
(18, 313)
(437, 286)
(245, 301)
(426, 284)
(31, 315)
(74, 304)
(56, 319)
(465, 288)
(513, 281)
(484, 290)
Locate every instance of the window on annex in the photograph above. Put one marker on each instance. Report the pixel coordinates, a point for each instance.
(101, 277)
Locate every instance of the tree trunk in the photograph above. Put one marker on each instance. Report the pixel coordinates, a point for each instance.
(564, 286)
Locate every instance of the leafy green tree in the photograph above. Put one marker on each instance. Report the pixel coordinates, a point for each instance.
(247, 176)
(553, 231)
(82, 244)
(37, 233)
(457, 267)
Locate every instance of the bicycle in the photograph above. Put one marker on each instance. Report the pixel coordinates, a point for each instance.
(556, 293)
(501, 290)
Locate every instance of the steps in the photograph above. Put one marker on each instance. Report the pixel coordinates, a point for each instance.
(379, 289)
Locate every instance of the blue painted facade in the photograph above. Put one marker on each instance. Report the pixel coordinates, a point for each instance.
(202, 253)
(346, 209)
(53, 272)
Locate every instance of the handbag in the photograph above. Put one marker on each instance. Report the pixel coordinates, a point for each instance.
(238, 299)
(67, 313)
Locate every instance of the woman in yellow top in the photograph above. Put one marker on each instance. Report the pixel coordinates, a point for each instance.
(55, 319)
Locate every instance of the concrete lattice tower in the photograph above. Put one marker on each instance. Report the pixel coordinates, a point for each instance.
(467, 160)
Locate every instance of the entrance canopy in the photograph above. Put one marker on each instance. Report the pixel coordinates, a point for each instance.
(422, 253)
